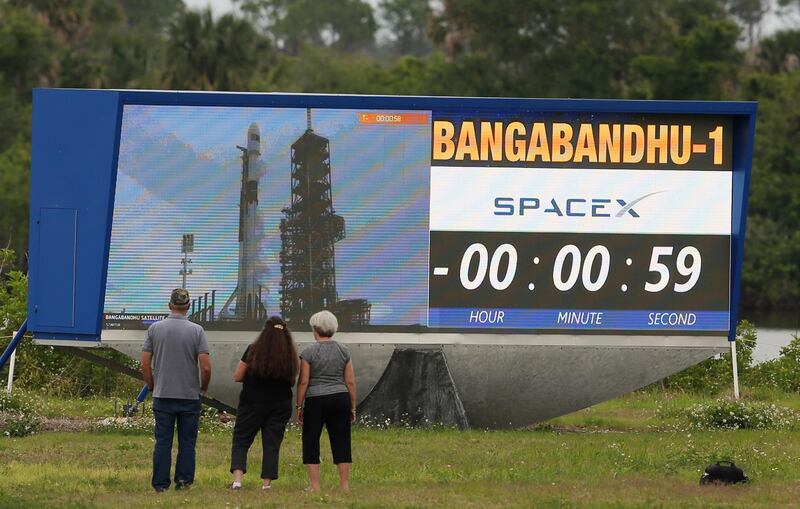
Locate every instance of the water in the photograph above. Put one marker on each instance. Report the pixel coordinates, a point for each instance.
(775, 329)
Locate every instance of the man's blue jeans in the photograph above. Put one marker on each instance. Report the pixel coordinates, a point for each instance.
(186, 414)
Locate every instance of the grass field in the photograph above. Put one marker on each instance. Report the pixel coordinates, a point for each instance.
(631, 452)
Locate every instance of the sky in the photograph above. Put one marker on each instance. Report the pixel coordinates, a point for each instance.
(218, 6)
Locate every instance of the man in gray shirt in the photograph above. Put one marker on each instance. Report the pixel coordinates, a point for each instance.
(170, 357)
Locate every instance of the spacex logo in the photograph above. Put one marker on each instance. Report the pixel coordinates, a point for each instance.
(569, 207)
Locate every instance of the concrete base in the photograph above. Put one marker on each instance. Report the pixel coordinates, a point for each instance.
(517, 381)
(516, 386)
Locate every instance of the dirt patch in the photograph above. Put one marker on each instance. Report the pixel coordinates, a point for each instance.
(569, 428)
(62, 424)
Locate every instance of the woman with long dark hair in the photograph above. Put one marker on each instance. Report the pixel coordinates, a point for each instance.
(267, 372)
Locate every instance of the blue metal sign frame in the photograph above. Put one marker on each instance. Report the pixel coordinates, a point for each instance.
(76, 135)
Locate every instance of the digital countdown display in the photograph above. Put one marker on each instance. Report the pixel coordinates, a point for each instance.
(581, 223)
(409, 220)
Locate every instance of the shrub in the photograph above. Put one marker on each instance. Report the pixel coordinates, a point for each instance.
(782, 373)
(15, 402)
(18, 417)
(730, 414)
(44, 367)
(713, 375)
(21, 424)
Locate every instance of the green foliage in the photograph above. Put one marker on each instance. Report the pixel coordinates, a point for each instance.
(208, 54)
(43, 367)
(702, 64)
(772, 259)
(13, 294)
(751, 13)
(17, 416)
(151, 16)
(14, 168)
(714, 375)
(674, 49)
(26, 49)
(780, 52)
(407, 21)
(20, 424)
(732, 414)
(59, 373)
(15, 402)
(346, 25)
(782, 373)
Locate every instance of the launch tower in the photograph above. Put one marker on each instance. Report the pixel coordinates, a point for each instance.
(309, 230)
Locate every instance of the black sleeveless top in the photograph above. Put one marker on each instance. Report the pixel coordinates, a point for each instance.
(259, 389)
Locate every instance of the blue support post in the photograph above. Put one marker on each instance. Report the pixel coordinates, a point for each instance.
(142, 394)
(14, 342)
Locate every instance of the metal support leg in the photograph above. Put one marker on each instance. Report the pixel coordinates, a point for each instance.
(14, 342)
(10, 384)
(735, 371)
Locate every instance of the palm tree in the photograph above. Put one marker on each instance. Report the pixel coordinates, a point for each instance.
(214, 55)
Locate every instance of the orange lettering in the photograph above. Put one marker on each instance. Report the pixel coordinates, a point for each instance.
(538, 146)
(632, 144)
(585, 147)
(443, 146)
(562, 142)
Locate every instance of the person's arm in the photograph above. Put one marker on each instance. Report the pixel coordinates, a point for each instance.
(205, 371)
(241, 369)
(147, 369)
(350, 382)
(302, 387)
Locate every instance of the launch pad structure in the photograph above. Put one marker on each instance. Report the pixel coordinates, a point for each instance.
(309, 229)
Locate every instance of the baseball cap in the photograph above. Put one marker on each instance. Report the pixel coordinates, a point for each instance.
(179, 297)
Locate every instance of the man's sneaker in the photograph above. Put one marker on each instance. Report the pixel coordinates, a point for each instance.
(182, 485)
(235, 486)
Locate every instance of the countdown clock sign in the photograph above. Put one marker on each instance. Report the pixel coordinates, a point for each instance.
(591, 222)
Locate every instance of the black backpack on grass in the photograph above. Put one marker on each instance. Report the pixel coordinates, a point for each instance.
(723, 472)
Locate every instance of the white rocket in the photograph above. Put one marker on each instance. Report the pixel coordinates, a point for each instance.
(248, 298)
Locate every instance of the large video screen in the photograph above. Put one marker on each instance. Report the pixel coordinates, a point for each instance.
(284, 212)
(414, 221)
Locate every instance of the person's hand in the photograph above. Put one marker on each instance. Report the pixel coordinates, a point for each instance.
(300, 416)
(352, 415)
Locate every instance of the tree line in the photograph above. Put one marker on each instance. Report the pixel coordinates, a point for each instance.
(647, 49)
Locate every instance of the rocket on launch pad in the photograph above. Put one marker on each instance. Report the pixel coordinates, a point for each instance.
(249, 304)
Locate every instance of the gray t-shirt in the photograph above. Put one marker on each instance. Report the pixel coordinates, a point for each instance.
(176, 343)
(327, 360)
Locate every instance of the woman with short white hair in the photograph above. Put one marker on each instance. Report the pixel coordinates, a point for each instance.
(326, 396)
